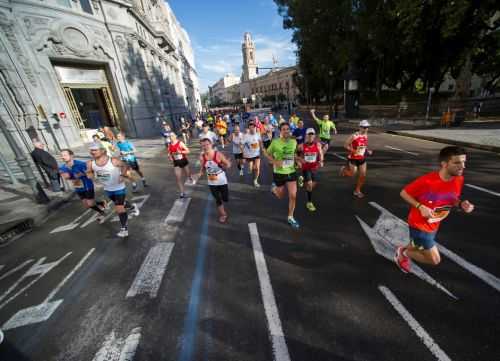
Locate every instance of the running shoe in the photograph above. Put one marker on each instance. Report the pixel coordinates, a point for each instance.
(241, 173)
(1, 336)
(300, 181)
(293, 223)
(135, 210)
(134, 187)
(183, 195)
(256, 183)
(403, 261)
(310, 206)
(101, 218)
(342, 171)
(123, 233)
(145, 185)
(358, 194)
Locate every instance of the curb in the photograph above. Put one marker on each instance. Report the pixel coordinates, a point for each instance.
(490, 148)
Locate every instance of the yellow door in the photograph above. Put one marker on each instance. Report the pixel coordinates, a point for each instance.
(110, 104)
(73, 107)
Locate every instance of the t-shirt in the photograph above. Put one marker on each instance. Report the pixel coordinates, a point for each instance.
(359, 145)
(210, 135)
(299, 134)
(78, 172)
(251, 145)
(125, 147)
(436, 194)
(285, 151)
(325, 128)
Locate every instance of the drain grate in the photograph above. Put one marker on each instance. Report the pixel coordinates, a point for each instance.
(16, 231)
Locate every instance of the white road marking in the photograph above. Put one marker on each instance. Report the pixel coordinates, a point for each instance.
(150, 275)
(118, 349)
(72, 225)
(339, 156)
(178, 211)
(401, 150)
(43, 311)
(414, 325)
(15, 269)
(485, 276)
(280, 349)
(483, 189)
(386, 236)
(39, 269)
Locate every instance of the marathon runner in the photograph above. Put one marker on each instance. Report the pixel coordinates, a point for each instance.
(357, 146)
(326, 126)
(310, 157)
(185, 126)
(299, 133)
(110, 172)
(252, 144)
(76, 172)
(432, 197)
(178, 151)
(267, 132)
(165, 133)
(281, 153)
(237, 140)
(207, 133)
(215, 164)
(127, 152)
(221, 130)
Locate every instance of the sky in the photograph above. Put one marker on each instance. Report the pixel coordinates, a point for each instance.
(216, 29)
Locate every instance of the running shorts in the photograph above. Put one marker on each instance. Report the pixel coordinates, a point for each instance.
(86, 194)
(357, 162)
(252, 159)
(118, 197)
(181, 163)
(238, 155)
(324, 141)
(133, 164)
(422, 240)
(220, 193)
(310, 175)
(281, 179)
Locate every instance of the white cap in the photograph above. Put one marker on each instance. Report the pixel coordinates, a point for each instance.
(364, 123)
(310, 130)
(96, 146)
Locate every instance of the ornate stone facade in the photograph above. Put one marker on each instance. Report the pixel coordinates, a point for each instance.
(140, 46)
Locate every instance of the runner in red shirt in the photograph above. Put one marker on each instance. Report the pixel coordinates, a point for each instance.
(432, 197)
(357, 146)
(310, 156)
(177, 152)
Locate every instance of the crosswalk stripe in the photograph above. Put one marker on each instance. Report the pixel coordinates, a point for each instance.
(483, 189)
(401, 150)
(178, 211)
(276, 334)
(119, 349)
(414, 325)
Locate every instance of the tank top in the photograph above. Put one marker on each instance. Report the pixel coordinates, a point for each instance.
(311, 156)
(174, 150)
(109, 176)
(215, 174)
(251, 147)
(359, 145)
(237, 141)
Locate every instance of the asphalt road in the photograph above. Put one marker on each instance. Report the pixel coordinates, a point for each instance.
(193, 289)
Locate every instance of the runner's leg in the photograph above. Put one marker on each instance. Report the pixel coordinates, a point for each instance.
(292, 197)
(178, 177)
(361, 178)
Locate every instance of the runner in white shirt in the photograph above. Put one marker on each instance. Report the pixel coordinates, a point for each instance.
(207, 133)
(237, 139)
(252, 144)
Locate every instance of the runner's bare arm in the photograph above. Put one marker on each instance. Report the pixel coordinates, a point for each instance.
(124, 168)
(348, 142)
(225, 162)
(424, 211)
(90, 171)
(202, 169)
(184, 148)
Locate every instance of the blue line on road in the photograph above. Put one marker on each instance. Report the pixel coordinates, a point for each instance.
(191, 320)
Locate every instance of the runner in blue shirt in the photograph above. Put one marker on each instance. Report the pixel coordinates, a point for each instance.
(127, 152)
(76, 171)
(300, 133)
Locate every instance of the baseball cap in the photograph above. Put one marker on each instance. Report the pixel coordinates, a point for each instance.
(206, 138)
(310, 131)
(364, 123)
(96, 146)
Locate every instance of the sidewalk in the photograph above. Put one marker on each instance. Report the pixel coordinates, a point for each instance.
(19, 213)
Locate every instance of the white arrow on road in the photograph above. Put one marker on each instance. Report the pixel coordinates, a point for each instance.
(389, 233)
(119, 349)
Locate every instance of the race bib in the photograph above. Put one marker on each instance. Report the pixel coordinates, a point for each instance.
(360, 151)
(310, 158)
(254, 146)
(178, 156)
(439, 213)
(77, 183)
(213, 177)
(288, 163)
(103, 176)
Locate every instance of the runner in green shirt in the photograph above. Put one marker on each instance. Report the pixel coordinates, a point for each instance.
(326, 126)
(281, 153)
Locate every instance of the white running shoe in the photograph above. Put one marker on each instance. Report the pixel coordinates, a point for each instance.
(1, 336)
(241, 172)
(256, 183)
(123, 233)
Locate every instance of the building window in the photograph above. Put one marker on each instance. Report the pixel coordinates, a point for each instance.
(85, 4)
(65, 3)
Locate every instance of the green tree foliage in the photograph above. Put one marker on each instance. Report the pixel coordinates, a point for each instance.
(391, 42)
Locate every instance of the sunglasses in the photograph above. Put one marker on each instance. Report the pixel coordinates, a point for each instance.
(311, 134)
(364, 127)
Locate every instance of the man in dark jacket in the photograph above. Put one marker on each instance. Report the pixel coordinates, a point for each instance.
(48, 163)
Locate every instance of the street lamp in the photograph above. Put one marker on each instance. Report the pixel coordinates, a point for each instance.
(330, 85)
(351, 92)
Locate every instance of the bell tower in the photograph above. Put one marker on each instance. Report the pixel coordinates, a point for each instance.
(249, 63)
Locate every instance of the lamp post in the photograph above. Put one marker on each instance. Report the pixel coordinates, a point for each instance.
(429, 101)
(330, 86)
(351, 92)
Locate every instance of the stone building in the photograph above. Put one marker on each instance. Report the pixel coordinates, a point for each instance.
(220, 92)
(70, 66)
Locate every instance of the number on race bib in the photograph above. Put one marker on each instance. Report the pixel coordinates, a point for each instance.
(310, 158)
(360, 151)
